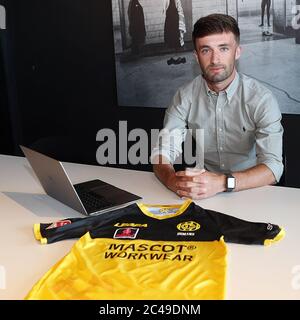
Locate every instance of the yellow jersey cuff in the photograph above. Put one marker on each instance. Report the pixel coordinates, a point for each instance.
(37, 233)
(279, 236)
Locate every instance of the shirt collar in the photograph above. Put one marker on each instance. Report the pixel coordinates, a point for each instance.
(230, 90)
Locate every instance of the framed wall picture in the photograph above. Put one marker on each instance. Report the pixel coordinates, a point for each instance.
(154, 48)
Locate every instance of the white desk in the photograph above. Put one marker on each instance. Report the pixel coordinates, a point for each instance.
(254, 272)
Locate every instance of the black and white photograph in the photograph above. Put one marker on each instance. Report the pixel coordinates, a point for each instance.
(154, 49)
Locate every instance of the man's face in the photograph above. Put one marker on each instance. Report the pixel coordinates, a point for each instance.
(216, 55)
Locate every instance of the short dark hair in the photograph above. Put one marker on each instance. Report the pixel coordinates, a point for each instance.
(215, 23)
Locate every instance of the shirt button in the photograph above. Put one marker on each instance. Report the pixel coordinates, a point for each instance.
(220, 129)
(221, 148)
(219, 109)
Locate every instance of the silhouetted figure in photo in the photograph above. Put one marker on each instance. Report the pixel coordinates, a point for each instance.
(264, 4)
(137, 28)
(174, 28)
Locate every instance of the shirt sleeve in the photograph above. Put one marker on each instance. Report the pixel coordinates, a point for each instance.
(236, 230)
(169, 143)
(269, 134)
(65, 229)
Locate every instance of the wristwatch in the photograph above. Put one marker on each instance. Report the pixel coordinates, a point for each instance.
(230, 182)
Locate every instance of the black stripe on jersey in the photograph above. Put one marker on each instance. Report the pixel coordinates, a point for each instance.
(194, 224)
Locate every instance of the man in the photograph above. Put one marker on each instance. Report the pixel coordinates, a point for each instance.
(264, 4)
(137, 29)
(240, 119)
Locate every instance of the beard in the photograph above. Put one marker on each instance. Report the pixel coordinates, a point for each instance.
(215, 77)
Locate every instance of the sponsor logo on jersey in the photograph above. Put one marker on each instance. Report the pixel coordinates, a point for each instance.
(126, 233)
(146, 251)
(131, 224)
(58, 224)
(188, 226)
(177, 248)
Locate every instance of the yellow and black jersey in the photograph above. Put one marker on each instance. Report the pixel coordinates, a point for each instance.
(146, 252)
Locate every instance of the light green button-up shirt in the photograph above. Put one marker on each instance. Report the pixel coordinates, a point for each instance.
(241, 125)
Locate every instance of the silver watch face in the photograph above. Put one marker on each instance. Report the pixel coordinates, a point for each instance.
(230, 183)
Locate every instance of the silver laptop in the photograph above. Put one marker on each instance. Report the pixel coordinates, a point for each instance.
(90, 197)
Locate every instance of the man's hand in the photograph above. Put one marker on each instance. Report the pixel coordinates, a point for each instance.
(192, 183)
(198, 183)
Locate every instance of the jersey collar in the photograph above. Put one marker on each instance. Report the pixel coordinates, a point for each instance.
(167, 211)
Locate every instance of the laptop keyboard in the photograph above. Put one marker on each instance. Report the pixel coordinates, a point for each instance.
(92, 201)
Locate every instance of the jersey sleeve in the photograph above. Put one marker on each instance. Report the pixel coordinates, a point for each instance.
(236, 230)
(63, 229)
(72, 228)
